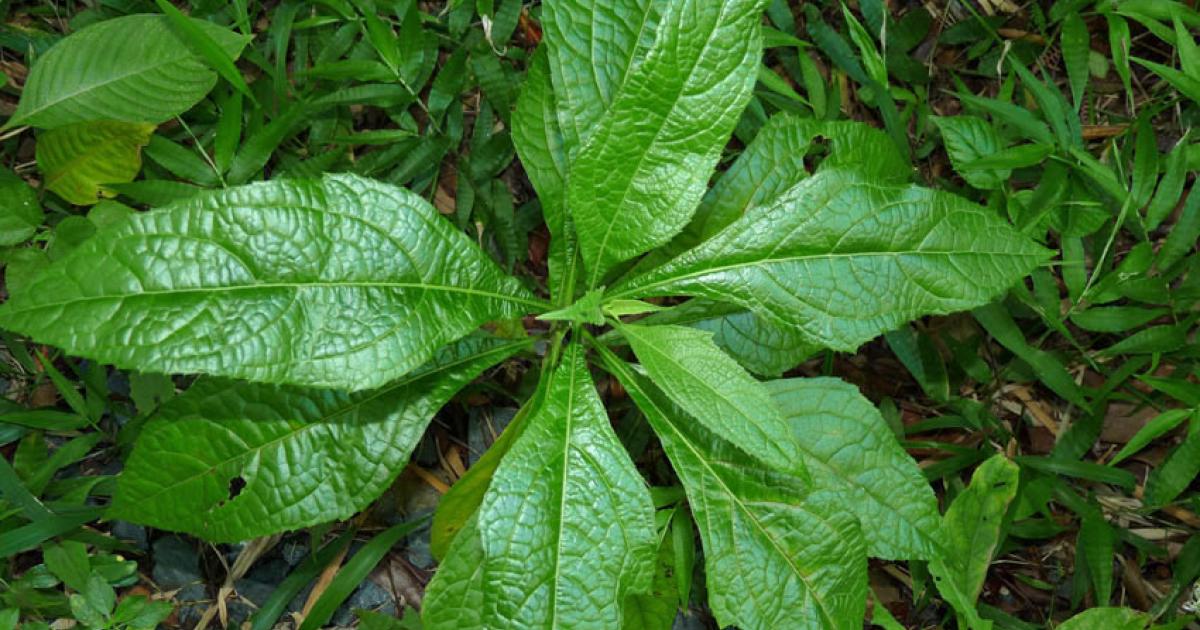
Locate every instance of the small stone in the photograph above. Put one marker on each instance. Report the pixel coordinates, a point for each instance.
(687, 622)
(193, 601)
(483, 429)
(294, 552)
(130, 533)
(254, 591)
(239, 611)
(270, 572)
(368, 596)
(417, 549)
(176, 563)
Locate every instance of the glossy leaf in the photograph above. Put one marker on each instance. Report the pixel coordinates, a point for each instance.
(841, 259)
(135, 69)
(1181, 240)
(1145, 164)
(593, 46)
(775, 557)
(1120, 42)
(460, 504)
(852, 454)
(230, 461)
(454, 598)
(972, 527)
(775, 162)
(999, 323)
(209, 49)
(20, 213)
(567, 524)
(637, 180)
(352, 575)
(1187, 85)
(539, 141)
(341, 282)
(1161, 424)
(1097, 542)
(78, 160)
(714, 389)
(770, 165)
(1170, 188)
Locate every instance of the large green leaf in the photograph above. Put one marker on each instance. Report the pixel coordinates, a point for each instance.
(714, 389)
(539, 141)
(850, 453)
(341, 282)
(454, 598)
(78, 160)
(20, 213)
(232, 460)
(842, 258)
(136, 68)
(775, 556)
(757, 343)
(772, 164)
(460, 504)
(567, 524)
(593, 46)
(637, 180)
(972, 527)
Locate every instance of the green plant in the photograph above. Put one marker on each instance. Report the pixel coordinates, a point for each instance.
(92, 602)
(333, 317)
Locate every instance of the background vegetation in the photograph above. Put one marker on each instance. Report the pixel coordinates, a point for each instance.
(1086, 375)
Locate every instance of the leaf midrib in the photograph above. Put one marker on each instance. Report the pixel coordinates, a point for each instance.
(562, 491)
(289, 285)
(666, 282)
(629, 184)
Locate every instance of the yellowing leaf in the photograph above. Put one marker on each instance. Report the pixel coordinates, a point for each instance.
(79, 159)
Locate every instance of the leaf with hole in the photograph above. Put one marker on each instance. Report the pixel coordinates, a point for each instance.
(232, 461)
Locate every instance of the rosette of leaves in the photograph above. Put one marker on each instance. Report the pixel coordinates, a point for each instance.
(333, 317)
